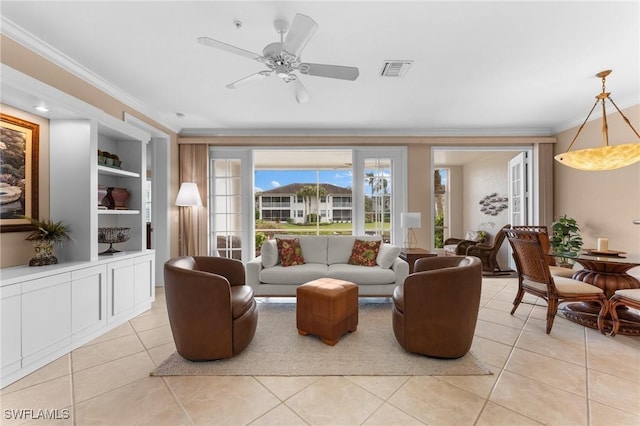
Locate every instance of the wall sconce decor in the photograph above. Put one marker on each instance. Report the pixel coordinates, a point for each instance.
(493, 204)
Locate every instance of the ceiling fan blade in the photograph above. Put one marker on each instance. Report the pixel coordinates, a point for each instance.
(330, 71)
(299, 34)
(300, 91)
(253, 77)
(228, 48)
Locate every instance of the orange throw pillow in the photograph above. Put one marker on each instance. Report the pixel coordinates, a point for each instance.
(364, 253)
(290, 252)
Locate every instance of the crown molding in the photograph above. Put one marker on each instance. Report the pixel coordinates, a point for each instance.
(222, 132)
(53, 55)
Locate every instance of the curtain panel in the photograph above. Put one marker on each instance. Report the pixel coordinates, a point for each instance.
(194, 167)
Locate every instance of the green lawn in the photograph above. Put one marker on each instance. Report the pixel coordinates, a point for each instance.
(324, 229)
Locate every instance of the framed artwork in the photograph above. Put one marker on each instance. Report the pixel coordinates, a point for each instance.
(19, 141)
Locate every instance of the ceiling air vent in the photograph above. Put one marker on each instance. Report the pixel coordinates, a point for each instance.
(395, 68)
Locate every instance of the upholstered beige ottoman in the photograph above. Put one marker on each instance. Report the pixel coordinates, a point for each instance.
(327, 308)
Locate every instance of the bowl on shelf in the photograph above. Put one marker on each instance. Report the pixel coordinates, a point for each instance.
(111, 236)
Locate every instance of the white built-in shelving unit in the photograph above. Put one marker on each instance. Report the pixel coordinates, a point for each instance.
(48, 311)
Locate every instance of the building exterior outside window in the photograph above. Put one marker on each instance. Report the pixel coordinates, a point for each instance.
(286, 204)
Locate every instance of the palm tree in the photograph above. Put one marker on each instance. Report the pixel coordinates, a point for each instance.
(309, 192)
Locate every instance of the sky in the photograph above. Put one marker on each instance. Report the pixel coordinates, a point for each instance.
(270, 179)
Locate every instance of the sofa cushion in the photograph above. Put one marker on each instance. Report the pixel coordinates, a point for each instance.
(269, 254)
(290, 252)
(361, 275)
(364, 253)
(471, 235)
(387, 255)
(298, 274)
(340, 247)
(314, 247)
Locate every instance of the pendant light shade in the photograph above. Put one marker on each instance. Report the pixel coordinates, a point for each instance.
(606, 157)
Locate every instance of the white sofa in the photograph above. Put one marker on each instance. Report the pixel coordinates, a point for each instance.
(325, 256)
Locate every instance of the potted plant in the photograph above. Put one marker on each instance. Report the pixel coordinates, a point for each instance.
(566, 241)
(47, 234)
(482, 232)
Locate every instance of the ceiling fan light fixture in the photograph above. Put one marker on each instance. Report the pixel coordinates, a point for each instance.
(283, 57)
(606, 157)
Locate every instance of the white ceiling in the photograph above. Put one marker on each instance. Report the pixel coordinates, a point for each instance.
(480, 68)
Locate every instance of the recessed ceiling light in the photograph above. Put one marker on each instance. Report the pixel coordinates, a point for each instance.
(41, 108)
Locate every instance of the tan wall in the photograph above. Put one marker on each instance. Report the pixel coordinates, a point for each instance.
(604, 203)
(14, 250)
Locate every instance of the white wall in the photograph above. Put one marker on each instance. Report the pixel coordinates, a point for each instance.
(481, 178)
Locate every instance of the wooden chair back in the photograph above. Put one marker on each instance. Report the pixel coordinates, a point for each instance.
(544, 240)
(530, 259)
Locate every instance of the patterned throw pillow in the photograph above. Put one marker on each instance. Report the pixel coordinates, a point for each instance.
(364, 253)
(290, 252)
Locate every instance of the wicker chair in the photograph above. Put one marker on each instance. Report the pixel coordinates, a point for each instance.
(459, 246)
(488, 254)
(556, 271)
(629, 297)
(535, 278)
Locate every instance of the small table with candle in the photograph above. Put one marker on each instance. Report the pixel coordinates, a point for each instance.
(606, 269)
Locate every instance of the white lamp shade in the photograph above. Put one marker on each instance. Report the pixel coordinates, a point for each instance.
(188, 195)
(410, 220)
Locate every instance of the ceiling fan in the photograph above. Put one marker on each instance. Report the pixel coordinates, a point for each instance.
(283, 58)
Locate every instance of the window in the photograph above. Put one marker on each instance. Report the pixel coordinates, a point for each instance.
(377, 200)
(257, 193)
(441, 207)
(230, 220)
(309, 180)
(227, 203)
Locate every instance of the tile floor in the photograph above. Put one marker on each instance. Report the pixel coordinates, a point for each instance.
(574, 376)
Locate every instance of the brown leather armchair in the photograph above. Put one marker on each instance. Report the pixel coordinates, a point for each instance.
(436, 308)
(212, 313)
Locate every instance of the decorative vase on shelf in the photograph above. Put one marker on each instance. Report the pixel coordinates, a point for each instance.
(44, 253)
(102, 192)
(107, 200)
(120, 197)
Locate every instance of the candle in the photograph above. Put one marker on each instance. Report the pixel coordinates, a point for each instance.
(603, 244)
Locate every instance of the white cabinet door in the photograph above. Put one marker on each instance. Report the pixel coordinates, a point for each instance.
(121, 279)
(144, 291)
(10, 327)
(88, 300)
(46, 316)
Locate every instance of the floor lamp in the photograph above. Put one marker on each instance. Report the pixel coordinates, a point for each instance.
(188, 197)
(409, 221)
